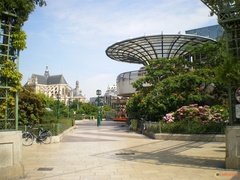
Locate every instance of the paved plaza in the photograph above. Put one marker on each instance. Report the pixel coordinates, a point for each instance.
(111, 151)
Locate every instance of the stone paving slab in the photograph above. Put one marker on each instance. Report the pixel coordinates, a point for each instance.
(111, 151)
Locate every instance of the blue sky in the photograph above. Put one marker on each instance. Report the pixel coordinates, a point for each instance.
(70, 37)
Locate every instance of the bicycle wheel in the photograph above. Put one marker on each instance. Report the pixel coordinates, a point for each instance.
(47, 138)
(27, 139)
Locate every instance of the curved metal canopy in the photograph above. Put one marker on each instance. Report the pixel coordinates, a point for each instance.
(142, 49)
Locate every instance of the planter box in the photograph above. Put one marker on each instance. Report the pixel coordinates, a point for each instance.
(11, 166)
(188, 137)
(233, 147)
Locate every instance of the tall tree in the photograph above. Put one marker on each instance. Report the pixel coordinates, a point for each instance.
(13, 14)
(21, 8)
(171, 83)
(31, 107)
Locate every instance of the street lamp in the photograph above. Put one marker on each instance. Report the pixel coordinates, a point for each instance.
(58, 105)
(69, 102)
(98, 92)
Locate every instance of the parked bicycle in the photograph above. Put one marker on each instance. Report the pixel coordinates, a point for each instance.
(28, 136)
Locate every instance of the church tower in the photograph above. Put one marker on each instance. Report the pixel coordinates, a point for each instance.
(46, 74)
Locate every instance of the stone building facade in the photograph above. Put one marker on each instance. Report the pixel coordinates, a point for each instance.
(77, 94)
(55, 86)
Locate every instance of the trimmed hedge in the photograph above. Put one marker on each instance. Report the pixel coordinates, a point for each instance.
(55, 128)
(183, 127)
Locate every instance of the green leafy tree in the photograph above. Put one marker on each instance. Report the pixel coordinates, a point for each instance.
(228, 72)
(89, 109)
(31, 107)
(137, 106)
(9, 77)
(171, 83)
(76, 106)
(198, 86)
(15, 13)
(21, 8)
(53, 105)
(107, 108)
(63, 110)
(48, 101)
(50, 114)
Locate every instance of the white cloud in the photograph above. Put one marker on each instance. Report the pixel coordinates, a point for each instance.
(71, 36)
(86, 21)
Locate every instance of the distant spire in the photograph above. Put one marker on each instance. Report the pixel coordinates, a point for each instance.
(77, 85)
(46, 74)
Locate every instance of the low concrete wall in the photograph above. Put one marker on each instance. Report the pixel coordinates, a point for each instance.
(58, 138)
(11, 166)
(233, 147)
(189, 137)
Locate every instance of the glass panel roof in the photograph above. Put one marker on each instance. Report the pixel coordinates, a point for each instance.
(142, 49)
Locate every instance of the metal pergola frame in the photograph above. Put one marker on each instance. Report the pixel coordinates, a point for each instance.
(228, 13)
(9, 118)
(143, 49)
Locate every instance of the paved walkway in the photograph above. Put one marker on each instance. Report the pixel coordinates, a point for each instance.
(110, 151)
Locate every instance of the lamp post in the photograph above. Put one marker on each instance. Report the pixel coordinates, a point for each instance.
(69, 102)
(98, 92)
(58, 105)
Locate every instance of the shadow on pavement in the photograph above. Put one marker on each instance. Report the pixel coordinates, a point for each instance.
(169, 155)
(160, 152)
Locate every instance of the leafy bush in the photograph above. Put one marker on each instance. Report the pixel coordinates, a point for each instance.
(193, 119)
(195, 113)
(177, 127)
(56, 127)
(152, 127)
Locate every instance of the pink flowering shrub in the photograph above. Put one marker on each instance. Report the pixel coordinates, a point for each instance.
(196, 119)
(169, 118)
(195, 113)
